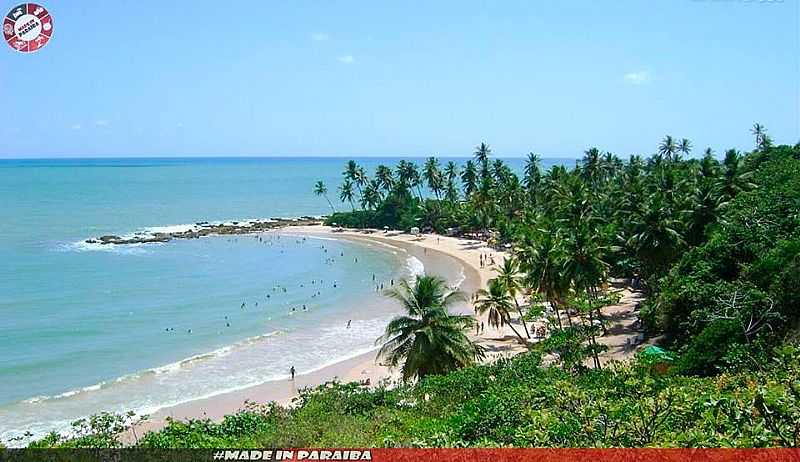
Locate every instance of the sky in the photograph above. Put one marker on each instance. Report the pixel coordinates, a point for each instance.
(372, 78)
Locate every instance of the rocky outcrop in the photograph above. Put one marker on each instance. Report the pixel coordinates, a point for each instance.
(204, 228)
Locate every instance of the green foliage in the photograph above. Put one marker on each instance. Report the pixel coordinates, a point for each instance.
(520, 402)
(736, 294)
(428, 339)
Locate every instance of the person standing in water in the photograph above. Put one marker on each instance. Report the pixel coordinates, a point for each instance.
(291, 371)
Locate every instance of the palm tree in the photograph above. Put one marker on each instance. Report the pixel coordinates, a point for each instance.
(684, 146)
(656, 237)
(532, 172)
(667, 148)
(385, 178)
(404, 174)
(409, 177)
(584, 264)
(509, 275)
(321, 190)
(734, 179)
(428, 339)
(346, 193)
(361, 179)
(590, 167)
(760, 132)
(497, 303)
(356, 175)
(451, 175)
(541, 258)
(482, 153)
(433, 176)
(469, 178)
(372, 195)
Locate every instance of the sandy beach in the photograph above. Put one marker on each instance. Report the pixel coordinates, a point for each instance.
(437, 254)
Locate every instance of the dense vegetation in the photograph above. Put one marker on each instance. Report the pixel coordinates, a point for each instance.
(714, 245)
(517, 402)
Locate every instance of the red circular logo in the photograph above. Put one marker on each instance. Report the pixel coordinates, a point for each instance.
(27, 27)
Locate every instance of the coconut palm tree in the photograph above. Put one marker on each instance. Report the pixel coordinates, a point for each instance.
(590, 167)
(385, 178)
(541, 259)
(497, 303)
(428, 339)
(481, 154)
(509, 275)
(684, 146)
(469, 178)
(734, 178)
(404, 174)
(532, 172)
(668, 148)
(451, 176)
(321, 190)
(346, 193)
(760, 132)
(356, 175)
(433, 176)
(656, 238)
(372, 195)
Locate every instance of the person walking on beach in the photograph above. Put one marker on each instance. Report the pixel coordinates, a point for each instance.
(348, 323)
(291, 371)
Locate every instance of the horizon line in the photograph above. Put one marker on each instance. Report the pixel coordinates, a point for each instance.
(278, 157)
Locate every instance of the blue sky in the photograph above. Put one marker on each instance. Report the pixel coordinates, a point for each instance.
(347, 78)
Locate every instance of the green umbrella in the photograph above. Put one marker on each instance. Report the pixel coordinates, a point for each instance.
(654, 352)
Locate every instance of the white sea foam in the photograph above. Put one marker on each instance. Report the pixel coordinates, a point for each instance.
(167, 368)
(83, 246)
(461, 277)
(415, 267)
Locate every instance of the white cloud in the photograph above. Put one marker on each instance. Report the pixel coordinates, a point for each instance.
(101, 122)
(637, 78)
(347, 59)
(320, 37)
(76, 126)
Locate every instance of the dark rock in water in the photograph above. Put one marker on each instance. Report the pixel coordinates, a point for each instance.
(207, 229)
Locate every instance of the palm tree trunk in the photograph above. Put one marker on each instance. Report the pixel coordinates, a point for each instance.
(593, 342)
(519, 310)
(593, 294)
(521, 340)
(558, 314)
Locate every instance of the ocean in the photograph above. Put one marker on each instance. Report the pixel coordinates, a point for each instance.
(86, 328)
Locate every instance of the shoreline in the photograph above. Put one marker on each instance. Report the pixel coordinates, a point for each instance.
(436, 252)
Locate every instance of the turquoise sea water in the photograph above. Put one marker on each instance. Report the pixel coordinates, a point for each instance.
(85, 328)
